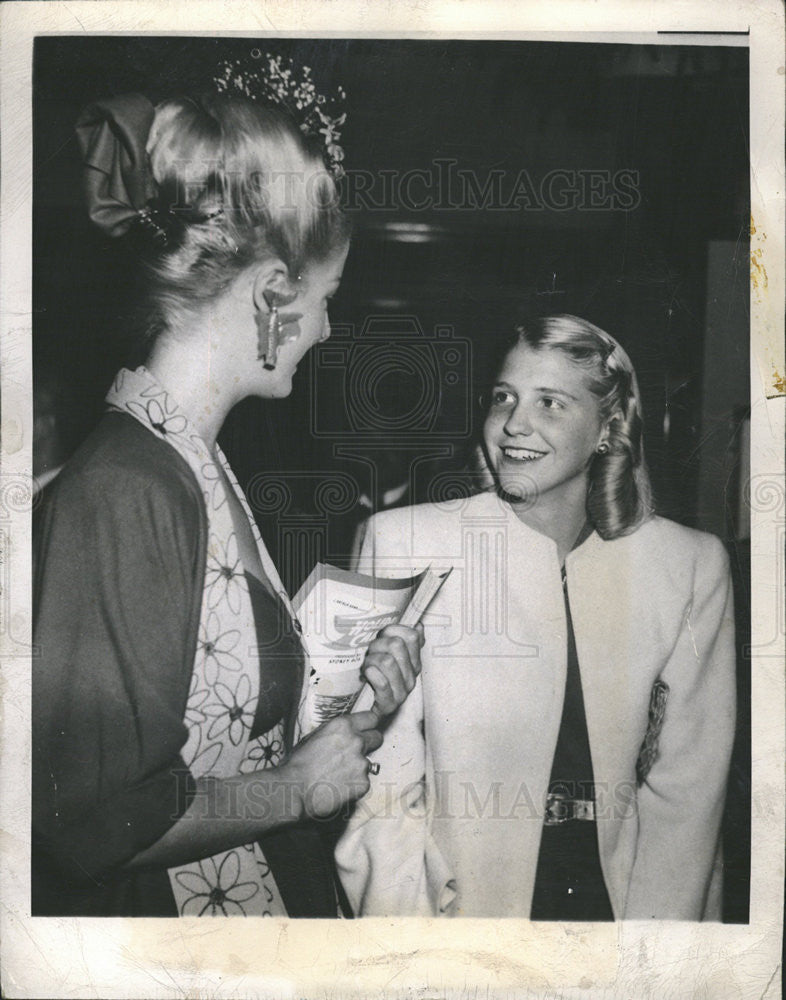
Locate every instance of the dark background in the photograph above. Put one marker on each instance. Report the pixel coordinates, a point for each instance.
(428, 292)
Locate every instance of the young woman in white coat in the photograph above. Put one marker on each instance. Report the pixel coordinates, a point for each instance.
(565, 752)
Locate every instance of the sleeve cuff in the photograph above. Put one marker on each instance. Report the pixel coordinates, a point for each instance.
(116, 829)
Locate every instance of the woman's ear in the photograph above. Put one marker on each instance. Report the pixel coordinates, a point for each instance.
(273, 285)
(607, 432)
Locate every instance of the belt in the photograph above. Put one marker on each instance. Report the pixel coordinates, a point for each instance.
(561, 808)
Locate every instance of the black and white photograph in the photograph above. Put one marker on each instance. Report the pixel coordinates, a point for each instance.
(395, 503)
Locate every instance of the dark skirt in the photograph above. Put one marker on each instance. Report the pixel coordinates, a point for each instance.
(569, 883)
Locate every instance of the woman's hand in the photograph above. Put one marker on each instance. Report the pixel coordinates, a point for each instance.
(329, 767)
(326, 770)
(392, 665)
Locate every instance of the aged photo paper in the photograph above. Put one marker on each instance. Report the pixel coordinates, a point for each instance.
(619, 161)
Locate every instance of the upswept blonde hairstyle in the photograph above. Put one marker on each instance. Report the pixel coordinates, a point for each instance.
(237, 183)
(619, 498)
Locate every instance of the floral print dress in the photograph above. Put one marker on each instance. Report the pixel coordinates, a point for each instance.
(225, 683)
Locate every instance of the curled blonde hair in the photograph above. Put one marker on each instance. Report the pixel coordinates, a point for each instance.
(238, 183)
(619, 498)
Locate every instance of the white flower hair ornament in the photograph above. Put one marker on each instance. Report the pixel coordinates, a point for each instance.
(274, 79)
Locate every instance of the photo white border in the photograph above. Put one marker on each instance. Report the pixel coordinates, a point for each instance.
(47, 957)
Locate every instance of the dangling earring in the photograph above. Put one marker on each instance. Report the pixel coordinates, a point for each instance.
(269, 323)
(269, 332)
(602, 448)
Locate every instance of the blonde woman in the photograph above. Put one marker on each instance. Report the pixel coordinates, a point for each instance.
(565, 753)
(165, 781)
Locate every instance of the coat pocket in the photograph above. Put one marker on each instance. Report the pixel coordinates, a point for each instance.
(648, 753)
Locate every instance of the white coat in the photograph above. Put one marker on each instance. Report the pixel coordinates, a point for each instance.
(453, 820)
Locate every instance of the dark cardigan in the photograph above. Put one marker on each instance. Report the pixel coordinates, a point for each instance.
(121, 553)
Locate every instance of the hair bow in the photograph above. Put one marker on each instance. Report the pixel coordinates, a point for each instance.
(118, 184)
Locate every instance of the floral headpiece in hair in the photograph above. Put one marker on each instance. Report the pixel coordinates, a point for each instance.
(272, 79)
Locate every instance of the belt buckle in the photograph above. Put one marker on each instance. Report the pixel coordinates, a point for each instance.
(584, 809)
(558, 809)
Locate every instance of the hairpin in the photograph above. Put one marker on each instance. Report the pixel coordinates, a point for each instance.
(154, 222)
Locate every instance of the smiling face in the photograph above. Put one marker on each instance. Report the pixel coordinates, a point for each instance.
(543, 427)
